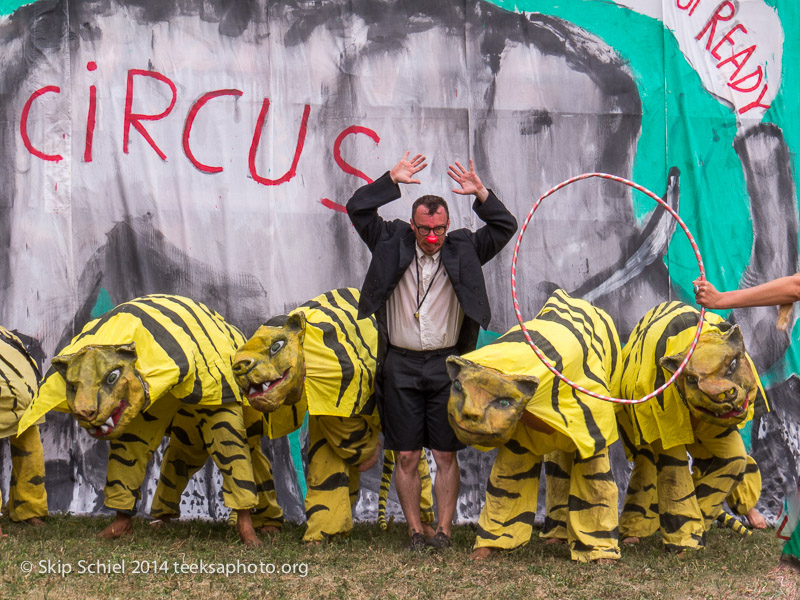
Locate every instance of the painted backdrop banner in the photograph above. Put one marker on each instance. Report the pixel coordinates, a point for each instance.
(207, 148)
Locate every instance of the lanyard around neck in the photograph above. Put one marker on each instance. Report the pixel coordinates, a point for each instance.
(430, 285)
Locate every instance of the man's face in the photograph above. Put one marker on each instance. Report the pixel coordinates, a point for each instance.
(428, 222)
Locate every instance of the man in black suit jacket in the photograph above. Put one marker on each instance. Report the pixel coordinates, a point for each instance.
(427, 292)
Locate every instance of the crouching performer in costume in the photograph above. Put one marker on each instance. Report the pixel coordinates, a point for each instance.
(503, 396)
(321, 356)
(19, 380)
(147, 364)
(718, 391)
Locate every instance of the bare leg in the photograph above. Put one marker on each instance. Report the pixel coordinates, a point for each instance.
(445, 488)
(122, 525)
(244, 524)
(409, 488)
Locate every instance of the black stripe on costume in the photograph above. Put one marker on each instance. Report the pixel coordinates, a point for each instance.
(221, 459)
(127, 462)
(531, 473)
(315, 509)
(671, 523)
(605, 476)
(485, 535)
(527, 518)
(181, 435)
(268, 485)
(36, 480)
(612, 534)
(231, 430)
(576, 504)
(245, 484)
(130, 438)
(17, 452)
(492, 490)
(118, 483)
(332, 482)
(515, 447)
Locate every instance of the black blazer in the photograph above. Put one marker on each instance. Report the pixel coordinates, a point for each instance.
(392, 244)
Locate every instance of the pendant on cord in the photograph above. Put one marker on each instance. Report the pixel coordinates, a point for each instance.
(416, 315)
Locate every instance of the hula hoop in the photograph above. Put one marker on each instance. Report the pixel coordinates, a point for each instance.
(525, 332)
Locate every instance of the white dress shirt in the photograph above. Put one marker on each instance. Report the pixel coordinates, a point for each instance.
(432, 298)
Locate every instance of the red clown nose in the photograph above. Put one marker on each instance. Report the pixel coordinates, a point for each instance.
(432, 238)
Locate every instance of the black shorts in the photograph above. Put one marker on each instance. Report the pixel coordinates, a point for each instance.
(412, 401)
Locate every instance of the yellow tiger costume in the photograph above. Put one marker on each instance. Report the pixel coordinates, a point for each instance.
(502, 395)
(699, 415)
(320, 355)
(19, 381)
(147, 363)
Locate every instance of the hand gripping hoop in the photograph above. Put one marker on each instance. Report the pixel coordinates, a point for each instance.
(539, 353)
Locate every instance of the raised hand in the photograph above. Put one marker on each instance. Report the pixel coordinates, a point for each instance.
(468, 180)
(404, 171)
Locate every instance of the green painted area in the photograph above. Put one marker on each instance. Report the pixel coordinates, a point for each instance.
(9, 6)
(746, 432)
(296, 449)
(486, 337)
(102, 305)
(683, 125)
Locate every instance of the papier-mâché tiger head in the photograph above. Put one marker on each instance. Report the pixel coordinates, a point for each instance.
(718, 384)
(270, 367)
(104, 390)
(485, 405)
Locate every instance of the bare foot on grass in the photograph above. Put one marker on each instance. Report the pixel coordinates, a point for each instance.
(244, 525)
(34, 522)
(481, 553)
(631, 540)
(554, 541)
(122, 525)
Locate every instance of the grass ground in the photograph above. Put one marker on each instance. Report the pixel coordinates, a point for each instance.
(370, 564)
